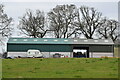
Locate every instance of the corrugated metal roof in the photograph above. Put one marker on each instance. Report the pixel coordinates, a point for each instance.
(59, 41)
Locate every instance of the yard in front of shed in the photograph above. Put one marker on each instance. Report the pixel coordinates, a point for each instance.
(60, 68)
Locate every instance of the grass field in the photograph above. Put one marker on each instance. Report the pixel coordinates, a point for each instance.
(60, 68)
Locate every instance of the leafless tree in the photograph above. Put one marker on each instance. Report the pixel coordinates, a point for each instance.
(109, 29)
(5, 25)
(103, 30)
(33, 25)
(113, 24)
(88, 21)
(61, 20)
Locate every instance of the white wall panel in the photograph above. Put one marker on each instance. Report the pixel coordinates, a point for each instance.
(98, 55)
(16, 54)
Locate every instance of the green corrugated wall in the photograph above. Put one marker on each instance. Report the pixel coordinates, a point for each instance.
(42, 48)
(56, 47)
(101, 48)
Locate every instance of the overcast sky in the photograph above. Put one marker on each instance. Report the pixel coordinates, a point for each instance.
(59, 0)
(16, 8)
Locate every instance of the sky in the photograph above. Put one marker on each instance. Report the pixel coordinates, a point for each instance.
(16, 8)
(59, 0)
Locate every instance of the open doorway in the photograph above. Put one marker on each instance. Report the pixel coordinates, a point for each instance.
(81, 52)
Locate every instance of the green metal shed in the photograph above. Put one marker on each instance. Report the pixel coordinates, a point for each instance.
(67, 47)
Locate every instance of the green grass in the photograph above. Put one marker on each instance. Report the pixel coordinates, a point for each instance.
(60, 68)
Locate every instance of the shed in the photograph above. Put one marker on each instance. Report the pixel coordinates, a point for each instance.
(68, 47)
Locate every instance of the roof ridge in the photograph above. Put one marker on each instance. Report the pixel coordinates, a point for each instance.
(59, 41)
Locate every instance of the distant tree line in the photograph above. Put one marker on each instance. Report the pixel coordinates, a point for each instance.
(63, 21)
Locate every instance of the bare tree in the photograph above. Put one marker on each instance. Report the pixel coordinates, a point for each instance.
(88, 21)
(113, 24)
(109, 29)
(103, 30)
(33, 25)
(61, 20)
(5, 25)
